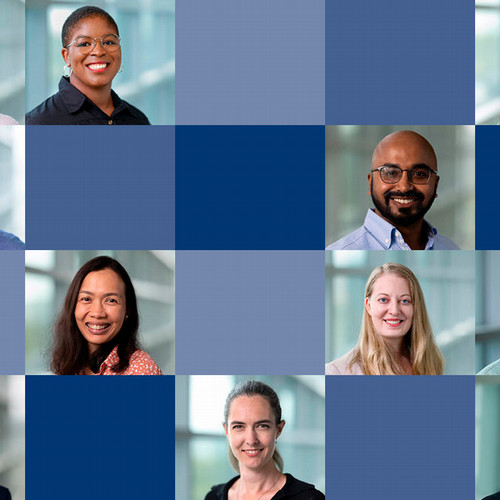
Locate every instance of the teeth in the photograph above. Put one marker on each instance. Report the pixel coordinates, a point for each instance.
(393, 322)
(404, 201)
(97, 327)
(251, 452)
(97, 66)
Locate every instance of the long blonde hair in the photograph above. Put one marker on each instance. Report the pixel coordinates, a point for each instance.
(372, 352)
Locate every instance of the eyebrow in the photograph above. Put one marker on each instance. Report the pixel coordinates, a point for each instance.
(417, 165)
(105, 295)
(402, 295)
(255, 423)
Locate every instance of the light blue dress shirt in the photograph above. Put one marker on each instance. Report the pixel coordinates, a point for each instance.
(378, 234)
(491, 369)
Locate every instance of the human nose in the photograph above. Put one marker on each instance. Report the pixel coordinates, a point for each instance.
(251, 436)
(97, 309)
(404, 183)
(97, 47)
(394, 307)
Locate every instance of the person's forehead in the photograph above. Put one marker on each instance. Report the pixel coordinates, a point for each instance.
(89, 26)
(404, 150)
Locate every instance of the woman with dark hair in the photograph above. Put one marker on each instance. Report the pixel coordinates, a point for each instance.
(91, 49)
(253, 423)
(96, 331)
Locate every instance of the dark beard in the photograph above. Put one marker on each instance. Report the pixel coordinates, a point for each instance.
(405, 217)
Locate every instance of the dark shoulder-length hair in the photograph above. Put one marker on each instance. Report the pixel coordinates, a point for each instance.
(70, 352)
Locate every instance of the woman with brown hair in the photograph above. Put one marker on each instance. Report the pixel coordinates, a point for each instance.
(253, 424)
(96, 331)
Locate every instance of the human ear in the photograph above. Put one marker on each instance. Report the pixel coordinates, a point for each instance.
(368, 306)
(65, 55)
(225, 427)
(369, 177)
(437, 183)
(280, 428)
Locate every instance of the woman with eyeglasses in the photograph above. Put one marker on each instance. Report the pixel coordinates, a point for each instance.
(253, 424)
(396, 335)
(92, 56)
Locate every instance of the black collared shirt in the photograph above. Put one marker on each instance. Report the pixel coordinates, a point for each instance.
(70, 107)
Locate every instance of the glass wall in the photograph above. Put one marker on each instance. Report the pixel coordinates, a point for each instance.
(12, 59)
(348, 157)
(487, 62)
(487, 435)
(487, 312)
(12, 180)
(201, 445)
(49, 273)
(447, 281)
(147, 31)
(12, 419)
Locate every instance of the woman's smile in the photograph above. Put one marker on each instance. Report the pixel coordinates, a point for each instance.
(93, 63)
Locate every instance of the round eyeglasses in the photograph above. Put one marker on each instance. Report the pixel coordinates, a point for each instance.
(86, 44)
(391, 174)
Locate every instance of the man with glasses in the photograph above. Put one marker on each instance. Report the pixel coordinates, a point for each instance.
(403, 183)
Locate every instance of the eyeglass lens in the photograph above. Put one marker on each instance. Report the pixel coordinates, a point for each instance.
(110, 43)
(417, 175)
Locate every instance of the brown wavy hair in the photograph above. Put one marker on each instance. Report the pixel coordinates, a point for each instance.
(70, 352)
(373, 354)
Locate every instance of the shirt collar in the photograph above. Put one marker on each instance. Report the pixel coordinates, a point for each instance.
(388, 236)
(74, 100)
(110, 361)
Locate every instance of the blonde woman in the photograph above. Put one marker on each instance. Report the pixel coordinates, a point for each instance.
(396, 336)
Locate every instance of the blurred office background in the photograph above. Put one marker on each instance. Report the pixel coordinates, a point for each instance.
(12, 419)
(487, 310)
(487, 62)
(348, 157)
(12, 180)
(446, 278)
(49, 273)
(201, 451)
(147, 32)
(487, 435)
(12, 59)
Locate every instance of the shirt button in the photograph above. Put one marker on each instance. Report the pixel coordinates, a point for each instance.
(110, 122)
(387, 241)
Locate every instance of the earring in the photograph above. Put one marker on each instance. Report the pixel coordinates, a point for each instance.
(126, 316)
(67, 70)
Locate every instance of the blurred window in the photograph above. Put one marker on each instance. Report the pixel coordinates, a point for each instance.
(487, 62)
(201, 445)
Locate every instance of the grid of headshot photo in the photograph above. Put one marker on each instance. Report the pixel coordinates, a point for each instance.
(272, 227)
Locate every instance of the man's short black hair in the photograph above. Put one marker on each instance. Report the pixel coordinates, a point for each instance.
(83, 13)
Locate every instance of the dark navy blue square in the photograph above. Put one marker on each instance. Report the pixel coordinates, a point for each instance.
(99, 437)
(250, 187)
(487, 208)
